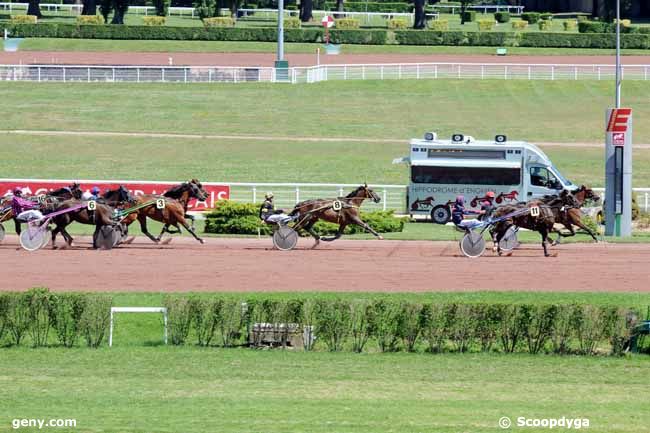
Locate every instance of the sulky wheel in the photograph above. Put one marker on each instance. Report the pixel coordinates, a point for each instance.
(472, 244)
(509, 240)
(33, 237)
(104, 238)
(441, 214)
(285, 238)
(2, 232)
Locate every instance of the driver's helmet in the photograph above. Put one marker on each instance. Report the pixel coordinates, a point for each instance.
(490, 194)
(268, 195)
(18, 191)
(460, 200)
(95, 190)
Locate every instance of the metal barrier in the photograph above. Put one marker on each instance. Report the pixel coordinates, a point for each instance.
(314, 74)
(642, 197)
(484, 8)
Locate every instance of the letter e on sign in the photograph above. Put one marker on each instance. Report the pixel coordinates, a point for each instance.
(618, 120)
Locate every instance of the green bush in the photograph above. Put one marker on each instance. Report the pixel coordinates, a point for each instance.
(67, 310)
(397, 23)
(485, 25)
(333, 323)
(218, 22)
(204, 318)
(292, 23)
(570, 25)
(153, 21)
(530, 17)
(519, 25)
(18, 317)
(24, 19)
(545, 25)
(95, 319)
(439, 25)
(502, 17)
(5, 299)
(360, 326)
(39, 300)
(469, 16)
(346, 23)
(179, 317)
(90, 20)
(383, 323)
(546, 16)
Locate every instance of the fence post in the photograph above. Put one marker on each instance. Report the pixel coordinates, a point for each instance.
(417, 71)
(645, 73)
(113, 69)
(575, 72)
(297, 195)
(399, 72)
(39, 74)
(89, 75)
(254, 194)
(363, 72)
(163, 75)
(459, 71)
(552, 72)
(599, 73)
(209, 73)
(64, 74)
(384, 198)
(529, 72)
(137, 74)
(482, 71)
(185, 74)
(435, 71)
(341, 192)
(381, 75)
(345, 72)
(505, 72)
(646, 201)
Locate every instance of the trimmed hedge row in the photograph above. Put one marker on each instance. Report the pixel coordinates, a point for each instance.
(230, 217)
(372, 7)
(387, 325)
(348, 36)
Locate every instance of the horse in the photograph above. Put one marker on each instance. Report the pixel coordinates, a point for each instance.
(342, 211)
(181, 193)
(101, 217)
(523, 215)
(117, 197)
(172, 214)
(570, 215)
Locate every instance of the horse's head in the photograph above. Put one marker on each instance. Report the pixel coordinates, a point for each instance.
(124, 195)
(365, 192)
(75, 191)
(197, 191)
(585, 193)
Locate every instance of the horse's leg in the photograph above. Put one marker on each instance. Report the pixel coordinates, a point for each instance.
(191, 218)
(54, 233)
(356, 220)
(189, 229)
(66, 236)
(585, 228)
(143, 227)
(544, 233)
(17, 226)
(337, 235)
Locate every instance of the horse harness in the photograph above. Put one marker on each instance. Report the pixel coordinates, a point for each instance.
(337, 205)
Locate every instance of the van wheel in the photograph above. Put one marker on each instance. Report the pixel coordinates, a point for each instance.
(441, 214)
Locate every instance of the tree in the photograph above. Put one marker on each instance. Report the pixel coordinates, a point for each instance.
(607, 9)
(306, 8)
(419, 21)
(34, 8)
(105, 8)
(339, 5)
(205, 8)
(463, 8)
(120, 6)
(234, 7)
(89, 8)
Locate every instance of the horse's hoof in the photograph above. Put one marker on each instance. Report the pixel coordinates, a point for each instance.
(202, 241)
(166, 241)
(129, 240)
(381, 238)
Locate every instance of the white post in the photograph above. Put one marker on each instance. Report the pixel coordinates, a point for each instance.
(113, 74)
(341, 192)
(39, 74)
(185, 74)
(417, 71)
(89, 75)
(575, 72)
(381, 74)
(552, 72)
(345, 72)
(64, 74)
(529, 71)
(254, 195)
(297, 195)
(363, 72)
(110, 334)
(165, 321)
(137, 73)
(209, 75)
(163, 75)
(435, 71)
(505, 73)
(458, 71)
(399, 72)
(384, 198)
(482, 71)
(599, 73)
(646, 202)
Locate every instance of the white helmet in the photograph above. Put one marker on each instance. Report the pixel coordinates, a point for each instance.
(268, 195)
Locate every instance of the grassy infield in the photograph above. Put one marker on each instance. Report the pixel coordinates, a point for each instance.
(133, 387)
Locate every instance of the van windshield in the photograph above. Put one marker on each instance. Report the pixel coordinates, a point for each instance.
(564, 180)
(465, 175)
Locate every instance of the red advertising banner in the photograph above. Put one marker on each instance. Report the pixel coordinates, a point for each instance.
(36, 187)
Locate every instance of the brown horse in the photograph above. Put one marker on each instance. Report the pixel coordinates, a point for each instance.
(534, 215)
(172, 214)
(342, 211)
(570, 215)
(182, 194)
(101, 218)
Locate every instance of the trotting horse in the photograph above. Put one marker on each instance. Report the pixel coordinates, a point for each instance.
(570, 215)
(182, 194)
(534, 215)
(101, 217)
(342, 211)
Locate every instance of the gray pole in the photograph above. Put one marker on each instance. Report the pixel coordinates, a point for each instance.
(618, 53)
(280, 30)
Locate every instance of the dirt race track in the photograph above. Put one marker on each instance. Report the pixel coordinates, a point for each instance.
(250, 265)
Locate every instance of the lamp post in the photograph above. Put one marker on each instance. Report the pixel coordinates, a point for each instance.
(618, 53)
(281, 65)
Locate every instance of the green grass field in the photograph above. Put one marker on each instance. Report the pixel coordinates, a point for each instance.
(56, 44)
(534, 111)
(167, 389)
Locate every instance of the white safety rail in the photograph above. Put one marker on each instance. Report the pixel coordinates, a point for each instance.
(314, 74)
(642, 197)
(365, 17)
(393, 197)
(471, 71)
(140, 74)
(75, 9)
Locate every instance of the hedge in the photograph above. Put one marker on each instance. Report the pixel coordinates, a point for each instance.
(219, 22)
(545, 25)
(397, 23)
(439, 25)
(24, 19)
(371, 7)
(502, 17)
(519, 25)
(152, 21)
(346, 23)
(230, 217)
(530, 17)
(638, 38)
(90, 20)
(485, 25)
(468, 16)
(41, 318)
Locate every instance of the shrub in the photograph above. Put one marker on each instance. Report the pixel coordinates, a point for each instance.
(4, 313)
(469, 16)
(485, 25)
(360, 313)
(439, 25)
(488, 317)
(590, 327)
(231, 217)
(540, 326)
(570, 25)
(90, 20)
(95, 319)
(520, 25)
(409, 324)
(462, 325)
(619, 324)
(292, 23)
(230, 321)
(67, 310)
(153, 21)
(204, 317)
(514, 320)
(564, 328)
(24, 19)
(39, 315)
(434, 326)
(18, 316)
(530, 17)
(219, 22)
(624, 23)
(383, 324)
(545, 25)
(546, 16)
(397, 23)
(502, 17)
(179, 318)
(346, 23)
(333, 323)
(400, 7)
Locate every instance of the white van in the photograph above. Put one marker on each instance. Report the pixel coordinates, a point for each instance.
(440, 170)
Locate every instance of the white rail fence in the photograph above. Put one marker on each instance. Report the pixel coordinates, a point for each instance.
(314, 74)
(75, 9)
